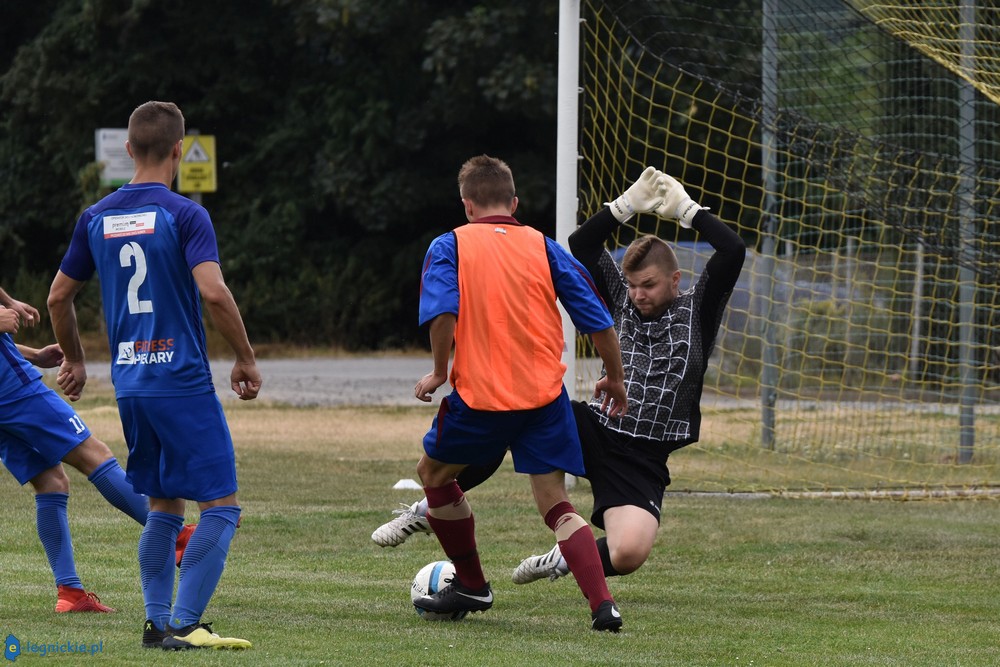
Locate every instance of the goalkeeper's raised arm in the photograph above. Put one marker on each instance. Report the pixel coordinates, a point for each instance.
(723, 268)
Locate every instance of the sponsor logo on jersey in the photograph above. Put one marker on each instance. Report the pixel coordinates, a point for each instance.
(129, 225)
(145, 352)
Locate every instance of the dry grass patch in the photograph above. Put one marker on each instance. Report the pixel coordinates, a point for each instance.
(358, 434)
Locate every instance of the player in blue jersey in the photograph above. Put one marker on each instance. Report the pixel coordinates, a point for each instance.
(38, 432)
(490, 288)
(156, 256)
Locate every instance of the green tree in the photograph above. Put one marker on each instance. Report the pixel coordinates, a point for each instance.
(340, 128)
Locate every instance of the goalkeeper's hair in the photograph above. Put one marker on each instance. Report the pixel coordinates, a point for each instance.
(648, 251)
(487, 181)
(153, 130)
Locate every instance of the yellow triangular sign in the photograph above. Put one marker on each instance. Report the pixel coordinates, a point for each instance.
(196, 153)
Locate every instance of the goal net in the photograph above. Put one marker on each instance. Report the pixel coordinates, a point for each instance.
(854, 146)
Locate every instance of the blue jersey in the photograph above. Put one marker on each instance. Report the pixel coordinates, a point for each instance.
(15, 371)
(143, 240)
(573, 284)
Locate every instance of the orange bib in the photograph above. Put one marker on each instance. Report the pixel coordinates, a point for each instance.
(508, 337)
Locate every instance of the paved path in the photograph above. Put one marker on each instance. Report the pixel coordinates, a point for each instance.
(363, 380)
(322, 381)
(334, 381)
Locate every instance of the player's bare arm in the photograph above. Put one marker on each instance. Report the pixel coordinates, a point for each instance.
(49, 356)
(612, 385)
(245, 377)
(72, 376)
(442, 334)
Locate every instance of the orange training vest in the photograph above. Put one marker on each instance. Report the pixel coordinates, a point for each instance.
(508, 337)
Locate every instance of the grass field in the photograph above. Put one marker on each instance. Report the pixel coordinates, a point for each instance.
(731, 581)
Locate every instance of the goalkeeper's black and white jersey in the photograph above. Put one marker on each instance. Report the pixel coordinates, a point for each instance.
(665, 359)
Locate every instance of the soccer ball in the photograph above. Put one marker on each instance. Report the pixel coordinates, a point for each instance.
(432, 578)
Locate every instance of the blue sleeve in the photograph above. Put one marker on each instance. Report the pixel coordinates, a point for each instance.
(197, 237)
(576, 290)
(78, 262)
(439, 279)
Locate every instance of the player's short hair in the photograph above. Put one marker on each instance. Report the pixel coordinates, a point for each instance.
(153, 130)
(648, 251)
(486, 181)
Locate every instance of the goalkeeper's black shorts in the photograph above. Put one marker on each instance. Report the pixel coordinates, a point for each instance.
(622, 470)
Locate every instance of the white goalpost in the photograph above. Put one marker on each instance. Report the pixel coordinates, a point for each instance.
(567, 203)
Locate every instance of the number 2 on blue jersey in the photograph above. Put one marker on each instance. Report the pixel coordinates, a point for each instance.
(130, 252)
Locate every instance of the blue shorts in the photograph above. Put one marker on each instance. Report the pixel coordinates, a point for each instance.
(178, 447)
(540, 440)
(38, 430)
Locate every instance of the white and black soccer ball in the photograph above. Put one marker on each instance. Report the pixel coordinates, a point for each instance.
(432, 578)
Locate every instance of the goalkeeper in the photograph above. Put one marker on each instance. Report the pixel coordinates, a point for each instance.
(666, 337)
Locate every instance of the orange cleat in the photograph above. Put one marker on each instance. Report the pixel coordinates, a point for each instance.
(77, 599)
(182, 540)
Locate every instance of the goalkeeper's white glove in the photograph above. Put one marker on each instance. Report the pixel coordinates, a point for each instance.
(643, 196)
(677, 204)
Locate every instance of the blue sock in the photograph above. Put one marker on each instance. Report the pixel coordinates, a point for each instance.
(204, 560)
(157, 562)
(53, 530)
(109, 478)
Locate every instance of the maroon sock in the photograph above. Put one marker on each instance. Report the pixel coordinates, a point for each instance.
(580, 552)
(457, 536)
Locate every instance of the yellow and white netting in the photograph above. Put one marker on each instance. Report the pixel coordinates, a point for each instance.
(962, 36)
(859, 157)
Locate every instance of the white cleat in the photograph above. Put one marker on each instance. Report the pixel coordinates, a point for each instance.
(551, 566)
(397, 531)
